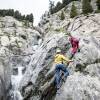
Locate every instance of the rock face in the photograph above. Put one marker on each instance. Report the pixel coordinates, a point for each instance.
(48, 20)
(16, 36)
(22, 46)
(84, 79)
(85, 83)
(80, 87)
(40, 64)
(5, 78)
(17, 43)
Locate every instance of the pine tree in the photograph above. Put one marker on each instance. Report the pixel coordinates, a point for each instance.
(3, 13)
(31, 18)
(27, 17)
(62, 15)
(23, 17)
(17, 15)
(86, 7)
(10, 12)
(0, 13)
(98, 4)
(65, 2)
(51, 6)
(73, 12)
(58, 7)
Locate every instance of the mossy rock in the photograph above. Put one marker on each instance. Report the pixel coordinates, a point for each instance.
(60, 29)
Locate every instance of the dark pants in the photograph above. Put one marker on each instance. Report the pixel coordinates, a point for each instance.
(59, 68)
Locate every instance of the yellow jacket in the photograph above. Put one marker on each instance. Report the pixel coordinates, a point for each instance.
(59, 58)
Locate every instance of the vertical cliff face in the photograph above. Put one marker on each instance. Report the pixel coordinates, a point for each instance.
(5, 78)
(48, 21)
(83, 82)
(17, 43)
(24, 47)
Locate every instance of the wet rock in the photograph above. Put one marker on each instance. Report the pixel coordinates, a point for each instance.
(16, 47)
(83, 81)
(5, 78)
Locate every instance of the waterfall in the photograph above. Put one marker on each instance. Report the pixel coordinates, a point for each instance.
(15, 79)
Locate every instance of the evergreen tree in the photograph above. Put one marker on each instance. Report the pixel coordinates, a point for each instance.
(3, 13)
(58, 7)
(27, 17)
(31, 18)
(23, 17)
(51, 6)
(86, 7)
(17, 15)
(62, 15)
(98, 4)
(48, 15)
(73, 11)
(65, 2)
(10, 12)
(0, 13)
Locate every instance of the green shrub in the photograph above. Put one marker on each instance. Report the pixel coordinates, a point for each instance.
(86, 7)
(62, 15)
(59, 29)
(73, 11)
(98, 4)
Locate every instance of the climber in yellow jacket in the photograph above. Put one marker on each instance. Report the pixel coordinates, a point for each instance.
(59, 60)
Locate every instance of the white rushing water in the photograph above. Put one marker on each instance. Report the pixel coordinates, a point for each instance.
(16, 78)
(15, 84)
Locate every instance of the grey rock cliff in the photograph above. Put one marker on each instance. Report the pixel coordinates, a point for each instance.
(17, 43)
(83, 82)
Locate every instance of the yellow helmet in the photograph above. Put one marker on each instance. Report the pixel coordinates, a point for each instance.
(58, 51)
